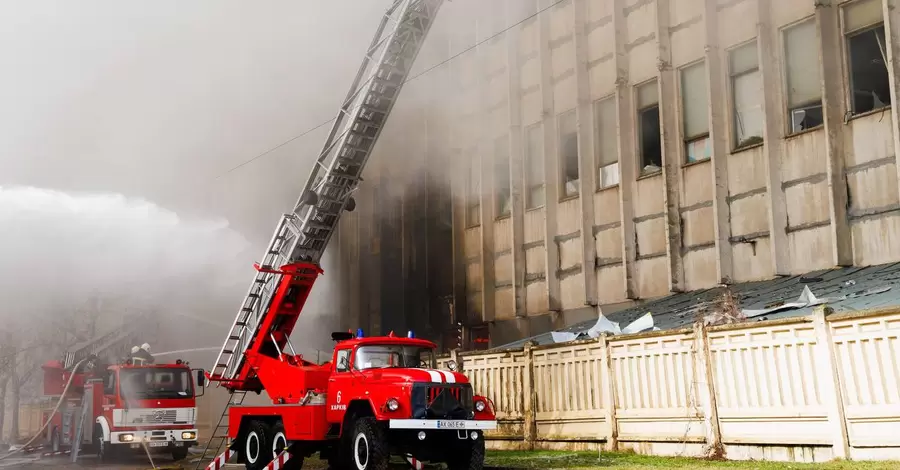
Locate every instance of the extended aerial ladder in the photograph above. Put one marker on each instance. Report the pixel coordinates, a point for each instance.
(290, 264)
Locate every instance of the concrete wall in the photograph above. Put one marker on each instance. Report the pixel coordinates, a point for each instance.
(788, 203)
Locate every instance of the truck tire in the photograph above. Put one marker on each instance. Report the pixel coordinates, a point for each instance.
(105, 452)
(368, 446)
(471, 460)
(279, 443)
(256, 447)
(179, 453)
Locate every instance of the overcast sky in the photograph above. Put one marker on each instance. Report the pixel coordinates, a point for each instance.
(158, 98)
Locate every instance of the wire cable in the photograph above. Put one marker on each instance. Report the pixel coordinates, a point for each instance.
(418, 75)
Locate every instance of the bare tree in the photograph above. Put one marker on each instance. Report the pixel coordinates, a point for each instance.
(7, 355)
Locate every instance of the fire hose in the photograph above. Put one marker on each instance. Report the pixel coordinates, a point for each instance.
(55, 409)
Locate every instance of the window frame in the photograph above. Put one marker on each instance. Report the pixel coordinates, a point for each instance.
(734, 143)
(846, 64)
(507, 165)
(337, 363)
(688, 139)
(473, 202)
(638, 111)
(786, 83)
(530, 186)
(598, 160)
(561, 163)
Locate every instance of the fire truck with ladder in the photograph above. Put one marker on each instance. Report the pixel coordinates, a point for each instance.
(377, 396)
(112, 401)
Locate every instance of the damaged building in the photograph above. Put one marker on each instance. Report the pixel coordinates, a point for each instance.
(550, 157)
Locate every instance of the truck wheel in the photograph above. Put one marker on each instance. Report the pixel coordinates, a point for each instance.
(279, 444)
(104, 449)
(256, 447)
(179, 453)
(369, 447)
(472, 459)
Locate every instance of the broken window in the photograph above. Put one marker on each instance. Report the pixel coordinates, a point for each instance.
(501, 176)
(803, 76)
(695, 110)
(534, 166)
(746, 93)
(867, 56)
(473, 193)
(607, 143)
(568, 153)
(648, 128)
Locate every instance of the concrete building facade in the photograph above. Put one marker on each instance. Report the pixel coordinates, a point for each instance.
(552, 156)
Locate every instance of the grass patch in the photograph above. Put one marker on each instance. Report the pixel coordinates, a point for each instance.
(548, 460)
(551, 460)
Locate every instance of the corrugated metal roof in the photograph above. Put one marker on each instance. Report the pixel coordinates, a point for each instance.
(844, 289)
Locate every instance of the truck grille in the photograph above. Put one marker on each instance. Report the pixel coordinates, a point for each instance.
(442, 401)
(433, 393)
(154, 416)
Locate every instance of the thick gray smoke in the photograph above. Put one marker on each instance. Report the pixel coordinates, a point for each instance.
(67, 260)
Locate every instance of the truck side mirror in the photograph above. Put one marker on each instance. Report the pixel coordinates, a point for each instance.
(201, 378)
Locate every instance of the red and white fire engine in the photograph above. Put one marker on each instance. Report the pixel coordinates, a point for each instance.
(378, 396)
(133, 405)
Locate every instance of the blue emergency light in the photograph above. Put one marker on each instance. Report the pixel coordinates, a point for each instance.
(410, 334)
(359, 333)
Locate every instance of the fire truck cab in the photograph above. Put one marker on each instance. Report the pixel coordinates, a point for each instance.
(152, 405)
(125, 407)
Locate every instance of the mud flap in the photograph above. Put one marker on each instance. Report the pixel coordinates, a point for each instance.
(413, 463)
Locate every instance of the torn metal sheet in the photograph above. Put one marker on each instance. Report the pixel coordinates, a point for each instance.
(604, 325)
(808, 299)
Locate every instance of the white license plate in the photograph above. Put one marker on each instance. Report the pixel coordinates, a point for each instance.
(159, 444)
(451, 424)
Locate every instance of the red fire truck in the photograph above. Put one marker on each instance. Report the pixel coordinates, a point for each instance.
(378, 396)
(112, 409)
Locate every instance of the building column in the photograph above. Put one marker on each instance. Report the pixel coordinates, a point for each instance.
(773, 133)
(516, 167)
(485, 149)
(626, 148)
(718, 136)
(551, 166)
(458, 305)
(834, 109)
(587, 165)
(668, 110)
(891, 12)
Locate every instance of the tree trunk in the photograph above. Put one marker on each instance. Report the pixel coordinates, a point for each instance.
(4, 379)
(14, 427)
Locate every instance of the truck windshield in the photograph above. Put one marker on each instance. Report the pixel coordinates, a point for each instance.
(385, 356)
(155, 383)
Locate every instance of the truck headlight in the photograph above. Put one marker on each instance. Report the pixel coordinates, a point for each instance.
(187, 435)
(393, 404)
(480, 406)
(126, 437)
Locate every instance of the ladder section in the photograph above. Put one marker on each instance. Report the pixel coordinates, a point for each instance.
(219, 436)
(359, 123)
(249, 317)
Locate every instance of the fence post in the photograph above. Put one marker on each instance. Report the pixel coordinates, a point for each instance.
(529, 398)
(608, 388)
(704, 387)
(829, 383)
